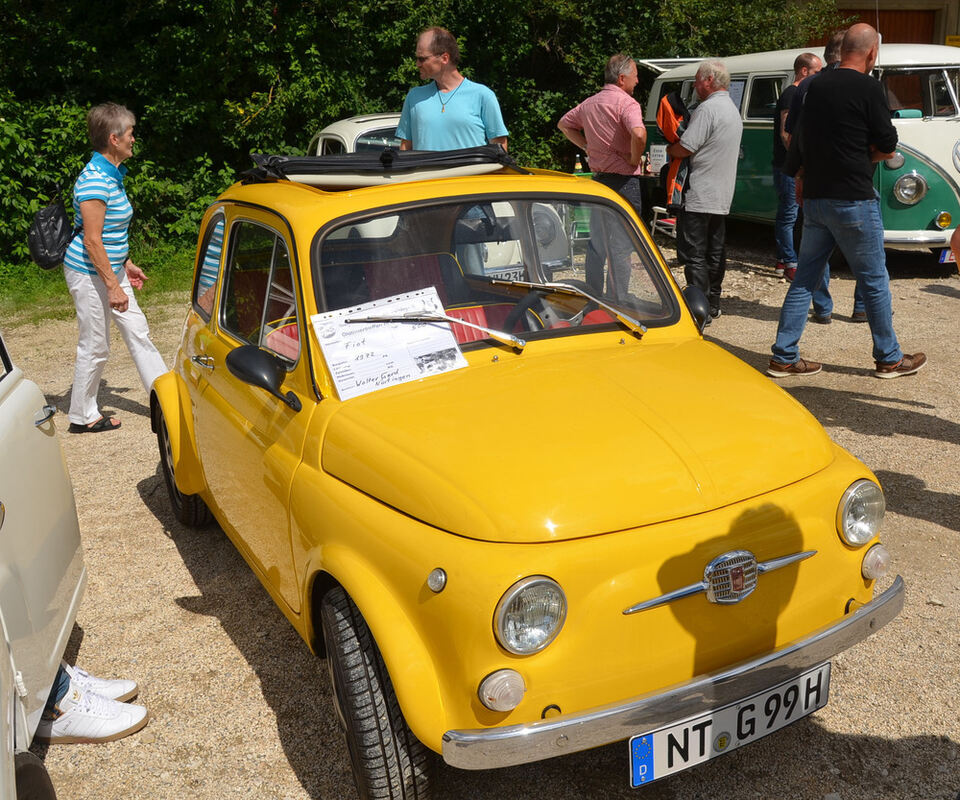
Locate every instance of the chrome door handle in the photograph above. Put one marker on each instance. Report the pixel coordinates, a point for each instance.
(206, 362)
(47, 412)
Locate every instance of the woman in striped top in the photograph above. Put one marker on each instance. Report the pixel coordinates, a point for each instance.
(98, 270)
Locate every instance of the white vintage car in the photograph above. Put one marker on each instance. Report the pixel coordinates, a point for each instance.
(42, 575)
(366, 132)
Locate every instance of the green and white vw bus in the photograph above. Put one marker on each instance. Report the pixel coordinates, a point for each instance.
(919, 188)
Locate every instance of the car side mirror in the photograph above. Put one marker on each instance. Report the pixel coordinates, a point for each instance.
(698, 304)
(259, 368)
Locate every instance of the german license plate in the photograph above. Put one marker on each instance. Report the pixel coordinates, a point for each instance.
(662, 752)
(947, 256)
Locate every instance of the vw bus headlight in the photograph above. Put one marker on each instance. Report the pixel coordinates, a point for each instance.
(860, 512)
(530, 615)
(910, 188)
(895, 161)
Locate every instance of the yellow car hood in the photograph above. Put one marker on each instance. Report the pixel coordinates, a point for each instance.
(568, 444)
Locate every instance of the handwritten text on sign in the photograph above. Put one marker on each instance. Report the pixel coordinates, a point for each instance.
(367, 356)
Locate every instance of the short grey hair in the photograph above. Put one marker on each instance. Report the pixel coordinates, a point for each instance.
(715, 69)
(105, 119)
(617, 65)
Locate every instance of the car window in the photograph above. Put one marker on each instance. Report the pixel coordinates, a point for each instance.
(377, 139)
(209, 272)
(926, 92)
(259, 302)
(462, 248)
(764, 94)
(737, 86)
(331, 147)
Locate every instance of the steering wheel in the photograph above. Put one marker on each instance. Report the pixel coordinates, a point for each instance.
(519, 311)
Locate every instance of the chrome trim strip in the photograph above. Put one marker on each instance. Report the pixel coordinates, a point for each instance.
(487, 748)
(669, 597)
(763, 567)
(784, 561)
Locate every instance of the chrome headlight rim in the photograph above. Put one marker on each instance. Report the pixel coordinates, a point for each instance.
(895, 161)
(503, 607)
(855, 494)
(914, 179)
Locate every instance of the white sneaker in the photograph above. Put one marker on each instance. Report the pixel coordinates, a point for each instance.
(119, 690)
(87, 717)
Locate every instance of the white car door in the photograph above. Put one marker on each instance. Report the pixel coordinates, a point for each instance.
(42, 575)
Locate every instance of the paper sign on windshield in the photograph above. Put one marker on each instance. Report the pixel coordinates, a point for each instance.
(366, 356)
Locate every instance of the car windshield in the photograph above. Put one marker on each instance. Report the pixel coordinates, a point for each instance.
(923, 92)
(482, 255)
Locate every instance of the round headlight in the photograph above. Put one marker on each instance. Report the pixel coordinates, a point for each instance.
(910, 188)
(895, 161)
(530, 615)
(860, 512)
(876, 563)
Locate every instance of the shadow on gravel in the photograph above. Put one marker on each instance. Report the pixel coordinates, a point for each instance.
(110, 398)
(738, 307)
(910, 496)
(293, 681)
(943, 291)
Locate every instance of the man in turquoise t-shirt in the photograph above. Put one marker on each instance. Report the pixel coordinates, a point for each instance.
(450, 112)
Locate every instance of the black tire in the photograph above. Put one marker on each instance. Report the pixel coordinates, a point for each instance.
(33, 782)
(188, 508)
(389, 762)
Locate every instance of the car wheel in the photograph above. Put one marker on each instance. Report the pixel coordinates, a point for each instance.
(188, 508)
(33, 782)
(388, 760)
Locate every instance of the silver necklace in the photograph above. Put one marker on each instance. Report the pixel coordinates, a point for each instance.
(443, 106)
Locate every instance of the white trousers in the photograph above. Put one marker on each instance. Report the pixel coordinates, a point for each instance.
(93, 343)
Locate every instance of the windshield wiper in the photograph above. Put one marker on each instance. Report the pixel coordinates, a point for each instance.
(500, 336)
(634, 326)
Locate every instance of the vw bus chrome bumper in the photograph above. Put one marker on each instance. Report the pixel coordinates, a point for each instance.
(487, 748)
(917, 240)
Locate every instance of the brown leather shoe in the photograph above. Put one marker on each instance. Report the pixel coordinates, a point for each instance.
(908, 365)
(798, 367)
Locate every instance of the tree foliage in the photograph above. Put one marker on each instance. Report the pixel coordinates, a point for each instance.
(213, 80)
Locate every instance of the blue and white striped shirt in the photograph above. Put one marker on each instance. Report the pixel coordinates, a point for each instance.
(102, 180)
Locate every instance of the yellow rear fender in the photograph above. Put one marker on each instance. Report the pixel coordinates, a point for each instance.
(169, 397)
(409, 664)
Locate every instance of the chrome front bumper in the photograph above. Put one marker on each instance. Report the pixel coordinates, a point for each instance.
(917, 240)
(486, 748)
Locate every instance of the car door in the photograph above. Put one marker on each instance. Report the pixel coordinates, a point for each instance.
(42, 575)
(249, 442)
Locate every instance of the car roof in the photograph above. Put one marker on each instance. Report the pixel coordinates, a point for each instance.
(348, 129)
(891, 56)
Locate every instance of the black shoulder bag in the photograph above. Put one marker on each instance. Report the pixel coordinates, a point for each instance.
(50, 235)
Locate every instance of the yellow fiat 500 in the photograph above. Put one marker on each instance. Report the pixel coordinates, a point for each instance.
(461, 422)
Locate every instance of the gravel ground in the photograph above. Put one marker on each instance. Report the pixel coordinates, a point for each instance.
(241, 709)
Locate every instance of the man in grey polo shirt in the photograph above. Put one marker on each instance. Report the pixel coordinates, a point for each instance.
(712, 143)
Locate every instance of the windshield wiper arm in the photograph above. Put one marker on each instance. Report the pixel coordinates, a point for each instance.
(501, 336)
(636, 327)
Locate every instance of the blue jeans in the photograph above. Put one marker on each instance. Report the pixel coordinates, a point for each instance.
(786, 218)
(787, 213)
(856, 228)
